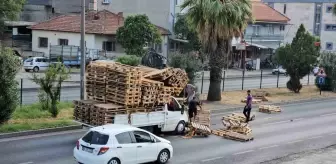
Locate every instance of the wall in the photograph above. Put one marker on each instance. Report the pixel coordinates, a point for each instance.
(99, 39)
(35, 13)
(68, 6)
(74, 39)
(158, 11)
(327, 36)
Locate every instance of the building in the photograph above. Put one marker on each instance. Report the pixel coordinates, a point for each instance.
(315, 15)
(101, 28)
(159, 12)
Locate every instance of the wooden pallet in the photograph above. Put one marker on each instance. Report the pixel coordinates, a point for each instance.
(254, 101)
(160, 74)
(229, 134)
(269, 109)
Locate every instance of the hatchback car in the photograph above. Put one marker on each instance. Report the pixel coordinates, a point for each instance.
(279, 70)
(121, 144)
(36, 64)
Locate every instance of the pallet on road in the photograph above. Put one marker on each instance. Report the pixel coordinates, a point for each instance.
(254, 101)
(269, 109)
(229, 134)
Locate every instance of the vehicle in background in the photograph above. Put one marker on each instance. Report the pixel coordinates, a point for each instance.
(279, 70)
(36, 64)
(162, 118)
(121, 144)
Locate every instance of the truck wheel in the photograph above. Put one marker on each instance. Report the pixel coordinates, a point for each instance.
(180, 128)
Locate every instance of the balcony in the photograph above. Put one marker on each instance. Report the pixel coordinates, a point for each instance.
(264, 37)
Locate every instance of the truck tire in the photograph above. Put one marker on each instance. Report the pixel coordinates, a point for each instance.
(180, 128)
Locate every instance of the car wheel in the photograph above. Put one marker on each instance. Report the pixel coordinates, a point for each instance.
(180, 128)
(114, 161)
(27, 70)
(163, 157)
(36, 69)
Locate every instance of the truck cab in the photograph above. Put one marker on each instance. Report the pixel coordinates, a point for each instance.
(176, 117)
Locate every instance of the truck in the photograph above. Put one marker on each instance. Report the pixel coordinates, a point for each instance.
(163, 120)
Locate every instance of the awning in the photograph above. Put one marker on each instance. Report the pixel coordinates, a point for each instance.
(256, 45)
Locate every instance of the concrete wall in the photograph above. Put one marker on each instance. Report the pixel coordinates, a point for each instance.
(327, 36)
(158, 11)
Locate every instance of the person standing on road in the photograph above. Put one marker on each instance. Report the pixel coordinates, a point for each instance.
(248, 106)
(192, 111)
(190, 91)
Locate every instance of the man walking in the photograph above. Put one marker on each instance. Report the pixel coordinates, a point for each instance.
(193, 108)
(248, 106)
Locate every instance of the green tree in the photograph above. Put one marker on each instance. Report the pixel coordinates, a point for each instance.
(216, 23)
(9, 10)
(328, 62)
(131, 60)
(298, 57)
(189, 62)
(8, 89)
(51, 84)
(184, 32)
(136, 33)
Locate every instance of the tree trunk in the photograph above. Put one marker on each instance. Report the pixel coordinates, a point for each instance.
(54, 110)
(215, 92)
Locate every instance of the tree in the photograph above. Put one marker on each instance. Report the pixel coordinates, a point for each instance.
(184, 32)
(328, 62)
(8, 88)
(298, 57)
(136, 33)
(216, 23)
(188, 62)
(9, 10)
(51, 84)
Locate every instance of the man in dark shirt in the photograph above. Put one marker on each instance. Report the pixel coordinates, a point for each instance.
(193, 108)
(248, 106)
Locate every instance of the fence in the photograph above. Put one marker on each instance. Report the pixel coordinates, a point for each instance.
(245, 80)
(241, 80)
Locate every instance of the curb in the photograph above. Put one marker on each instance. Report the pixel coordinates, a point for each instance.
(219, 110)
(42, 131)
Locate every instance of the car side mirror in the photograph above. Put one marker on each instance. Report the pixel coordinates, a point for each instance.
(182, 110)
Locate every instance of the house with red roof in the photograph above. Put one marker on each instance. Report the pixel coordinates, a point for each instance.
(100, 29)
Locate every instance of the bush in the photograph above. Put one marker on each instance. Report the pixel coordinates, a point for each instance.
(44, 101)
(189, 62)
(8, 89)
(131, 60)
(294, 85)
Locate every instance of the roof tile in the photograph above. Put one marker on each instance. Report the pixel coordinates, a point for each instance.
(263, 12)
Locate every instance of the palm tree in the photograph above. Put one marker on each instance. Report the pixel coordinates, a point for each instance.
(217, 22)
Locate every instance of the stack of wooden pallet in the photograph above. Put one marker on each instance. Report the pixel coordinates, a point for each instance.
(124, 85)
(203, 117)
(150, 91)
(104, 113)
(82, 111)
(100, 82)
(89, 82)
(269, 108)
(260, 95)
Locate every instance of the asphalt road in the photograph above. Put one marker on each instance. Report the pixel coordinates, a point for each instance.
(300, 127)
(70, 93)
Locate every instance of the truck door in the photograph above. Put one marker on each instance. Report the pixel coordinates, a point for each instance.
(173, 115)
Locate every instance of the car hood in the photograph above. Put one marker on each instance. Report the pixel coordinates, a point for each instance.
(164, 140)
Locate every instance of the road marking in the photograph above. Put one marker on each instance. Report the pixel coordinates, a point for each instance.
(267, 118)
(268, 147)
(27, 163)
(332, 134)
(330, 114)
(297, 119)
(294, 141)
(211, 159)
(315, 137)
(243, 152)
(279, 122)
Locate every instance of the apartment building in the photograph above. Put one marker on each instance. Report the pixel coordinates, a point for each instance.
(315, 15)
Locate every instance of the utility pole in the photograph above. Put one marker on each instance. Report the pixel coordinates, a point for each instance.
(82, 66)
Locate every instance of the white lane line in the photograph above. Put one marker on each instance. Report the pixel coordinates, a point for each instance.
(268, 147)
(314, 137)
(27, 163)
(279, 122)
(267, 118)
(294, 141)
(330, 114)
(332, 134)
(297, 119)
(243, 152)
(211, 159)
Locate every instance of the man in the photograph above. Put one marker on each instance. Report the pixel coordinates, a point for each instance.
(193, 108)
(248, 106)
(190, 91)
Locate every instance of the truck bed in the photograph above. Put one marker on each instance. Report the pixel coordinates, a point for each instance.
(141, 119)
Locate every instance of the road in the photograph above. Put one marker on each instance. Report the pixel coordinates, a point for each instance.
(300, 127)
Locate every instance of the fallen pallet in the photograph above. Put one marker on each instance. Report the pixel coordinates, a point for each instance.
(269, 108)
(229, 134)
(254, 101)
(196, 129)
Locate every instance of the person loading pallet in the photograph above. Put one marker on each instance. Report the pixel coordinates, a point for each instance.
(192, 111)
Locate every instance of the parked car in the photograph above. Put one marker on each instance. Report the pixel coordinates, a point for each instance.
(279, 70)
(36, 64)
(121, 144)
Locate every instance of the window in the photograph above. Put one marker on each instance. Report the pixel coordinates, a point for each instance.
(96, 138)
(106, 1)
(63, 42)
(43, 42)
(157, 47)
(109, 46)
(270, 29)
(317, 19)
(124, 138)
(329, 9)
(329, 46)
(330, 27)
(38, 60)
(285, 8)
(256, 30)
(282, 27)
(142, 137)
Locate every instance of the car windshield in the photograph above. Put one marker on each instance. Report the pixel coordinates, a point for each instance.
(95, 138)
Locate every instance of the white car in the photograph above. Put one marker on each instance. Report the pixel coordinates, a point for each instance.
(121, 144)
(36, 64)
(279, 70)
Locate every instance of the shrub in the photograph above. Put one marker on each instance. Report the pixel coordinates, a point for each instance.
(131, 60)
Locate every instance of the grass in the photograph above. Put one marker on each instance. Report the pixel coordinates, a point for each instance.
(31, 117)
